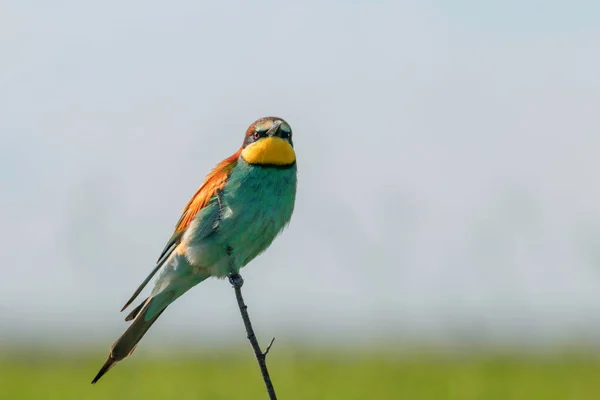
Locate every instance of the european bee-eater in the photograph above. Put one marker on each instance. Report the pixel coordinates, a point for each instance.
(243, 204)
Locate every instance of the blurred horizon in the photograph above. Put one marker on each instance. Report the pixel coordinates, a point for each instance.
(447, 153)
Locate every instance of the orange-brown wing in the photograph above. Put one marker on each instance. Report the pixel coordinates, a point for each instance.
(214, 181)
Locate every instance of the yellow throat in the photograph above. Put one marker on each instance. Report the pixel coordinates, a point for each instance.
(271, 150)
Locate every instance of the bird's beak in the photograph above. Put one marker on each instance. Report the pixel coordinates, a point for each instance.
(274, 129)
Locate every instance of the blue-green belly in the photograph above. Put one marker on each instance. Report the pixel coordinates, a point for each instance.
(255, 205)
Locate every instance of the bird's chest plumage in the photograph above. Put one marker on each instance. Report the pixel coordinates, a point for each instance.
(257, 203)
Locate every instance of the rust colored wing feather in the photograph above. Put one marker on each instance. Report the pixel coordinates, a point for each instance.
(214, 181)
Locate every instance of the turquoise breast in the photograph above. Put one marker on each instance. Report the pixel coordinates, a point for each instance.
(258, 203)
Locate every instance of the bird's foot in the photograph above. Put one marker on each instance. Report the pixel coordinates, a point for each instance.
(236, 280)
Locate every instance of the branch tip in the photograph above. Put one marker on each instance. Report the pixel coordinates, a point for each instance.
(269, 347)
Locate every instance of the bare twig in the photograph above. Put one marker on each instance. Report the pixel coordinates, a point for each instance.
(237, 282)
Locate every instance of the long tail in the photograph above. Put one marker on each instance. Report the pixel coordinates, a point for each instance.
(143, 318)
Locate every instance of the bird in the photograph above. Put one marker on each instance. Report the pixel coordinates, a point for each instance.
(244, 203)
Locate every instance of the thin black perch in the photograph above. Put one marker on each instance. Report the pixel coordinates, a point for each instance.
(237, 282)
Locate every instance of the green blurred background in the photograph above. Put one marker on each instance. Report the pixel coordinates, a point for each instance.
(445, 241)
(304, 374)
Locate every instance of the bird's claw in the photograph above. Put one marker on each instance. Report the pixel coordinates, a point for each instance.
(236, 280)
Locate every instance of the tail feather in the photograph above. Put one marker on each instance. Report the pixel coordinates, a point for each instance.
(144, 316)
(125, 345)
(134, 313)
(108, 364)
(141, 287)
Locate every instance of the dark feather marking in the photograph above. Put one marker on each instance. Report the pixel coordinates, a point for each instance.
(220, 213)
(135, 311)
(141, 287)
(171, 244)
(276, 166)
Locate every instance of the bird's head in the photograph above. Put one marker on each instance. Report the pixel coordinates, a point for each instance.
(268, 142)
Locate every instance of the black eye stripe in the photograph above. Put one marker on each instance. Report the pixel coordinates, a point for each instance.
(260, 132)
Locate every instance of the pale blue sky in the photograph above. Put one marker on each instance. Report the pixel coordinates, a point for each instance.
(515, 16)
(448, 160)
